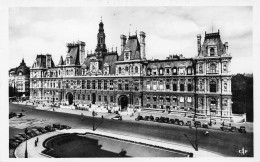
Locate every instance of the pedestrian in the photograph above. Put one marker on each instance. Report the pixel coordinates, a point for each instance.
(102, 117)
(35, 143)
(206, 133)
(37, 139)
(53, 109)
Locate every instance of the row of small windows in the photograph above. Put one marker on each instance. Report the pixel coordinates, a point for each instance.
(99, 97)
(168, 99)
(170, 71)
(127, 69)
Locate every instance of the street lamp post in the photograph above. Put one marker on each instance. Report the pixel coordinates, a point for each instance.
(26, 152)
(93, 114)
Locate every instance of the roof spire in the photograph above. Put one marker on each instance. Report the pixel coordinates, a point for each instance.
(129, 29)
(101, 18)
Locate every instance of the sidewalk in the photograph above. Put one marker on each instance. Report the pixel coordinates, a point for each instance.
(36, 152)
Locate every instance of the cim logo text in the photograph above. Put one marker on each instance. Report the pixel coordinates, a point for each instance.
(243, 151)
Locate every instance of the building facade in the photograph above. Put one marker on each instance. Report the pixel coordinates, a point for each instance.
(19, 81)
(127, 79)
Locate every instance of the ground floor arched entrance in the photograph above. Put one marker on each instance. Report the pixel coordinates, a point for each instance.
(69, 98)
(123, 101)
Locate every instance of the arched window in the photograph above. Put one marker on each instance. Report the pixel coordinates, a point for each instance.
(161, 71)
(212, 52)
(212, 68)
(119, 70)
(126, 69)
(136, 69)
(213, 86)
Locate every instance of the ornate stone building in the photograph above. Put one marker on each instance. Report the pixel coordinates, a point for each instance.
(127, 79)
(19, 80)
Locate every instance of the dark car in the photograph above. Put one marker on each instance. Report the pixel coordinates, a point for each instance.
(151, 118)
(205, 125)
(181, 122)
(188, 123)
(18, 137)
(24, 135)
(176, 121)
(19, 115)
(171, 121)
(161, 120)
(31, 133)
(146, 118)
(166, 120)
(157, 119)
(49, 128)
(139, 117)
(233, 129)
(65, 127)
(42, 130)
(118, 117)
(36, 131)
(12, 114)
(57, 126)
(197, 124)
(13, 144)
(242, 129)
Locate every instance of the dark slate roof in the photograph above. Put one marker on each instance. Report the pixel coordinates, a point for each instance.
(110, 59)
(73, 53)
(212, 39)
(61, 61)
(134, 46)
(21, 68)
(169, 63)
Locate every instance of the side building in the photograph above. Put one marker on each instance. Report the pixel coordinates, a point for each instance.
(126, 79)
(19, 79)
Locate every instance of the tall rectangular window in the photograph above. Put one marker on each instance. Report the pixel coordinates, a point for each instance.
(111, 85)
(83, 97)
(88, 97)
(105, 85)
(93, 84)
(119, 86)
(181, 87)
(99, 84)
(78, 96)
(189, 87)
(88, 84)
(126, 87)
(105, 98)
(111, 98)
(174, 87)
(99, 97)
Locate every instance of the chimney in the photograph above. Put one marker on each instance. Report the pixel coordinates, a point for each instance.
(123, 42)
(81, 52)
(226, 47)
(199, 43)
(142, 43)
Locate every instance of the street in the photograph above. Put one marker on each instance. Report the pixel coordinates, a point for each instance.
(225, 143)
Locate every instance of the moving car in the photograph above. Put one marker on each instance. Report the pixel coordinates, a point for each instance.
(181, 122)
(171, 121)
(156, 119)
(151, 118)
(205, 125)
(161, 120)
(65, 127)
(188, 123)
(242, 129)
(36, 131)
(176, 121)
(57, 126)
(49, 128)
(118, 117)
(42, 130)
(166, 120)
(146, 118)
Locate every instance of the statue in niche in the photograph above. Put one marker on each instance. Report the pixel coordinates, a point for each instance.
(200, 69)
(225, 87)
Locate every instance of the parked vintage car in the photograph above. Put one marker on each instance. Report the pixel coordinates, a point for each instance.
(197, 124)
(181, 122)
(161, 120)
(205, 125)
(151, 118)
(49, 128)
(171, 121)
(18, 137)
(233, 129)
(12, 114)
(242, 129)
(166, 120)
(156, 119)
(188, 123)
(176, 121)
(146, 118)
(36, 132)
(24, 135)
(19, 115)
(57, 126)
(139, 117)
(42, 130)
(65, 127)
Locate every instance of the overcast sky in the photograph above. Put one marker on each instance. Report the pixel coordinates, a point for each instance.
(169, 30)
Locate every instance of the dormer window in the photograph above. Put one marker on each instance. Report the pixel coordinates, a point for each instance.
(126, 56)
(212, 68)
(148, 71)
(189, 71)
(174, 71)
(212, 52)
(161, 71)
(136, 69)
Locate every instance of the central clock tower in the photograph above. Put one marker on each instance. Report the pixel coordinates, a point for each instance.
(101, 45)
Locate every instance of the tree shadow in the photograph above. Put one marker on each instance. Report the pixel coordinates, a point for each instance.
(98, 125)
